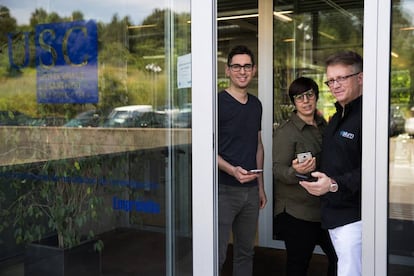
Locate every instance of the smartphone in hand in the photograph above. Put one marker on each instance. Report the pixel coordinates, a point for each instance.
(306, 177)
(256, 171)
(302, 157)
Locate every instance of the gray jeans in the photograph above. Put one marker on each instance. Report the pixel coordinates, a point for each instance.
(238, 209)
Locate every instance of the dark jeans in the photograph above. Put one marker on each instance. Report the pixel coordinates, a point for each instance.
(300, 238)
(238, 209)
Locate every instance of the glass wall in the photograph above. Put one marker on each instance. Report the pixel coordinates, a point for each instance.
(95, 124)
(401, 145)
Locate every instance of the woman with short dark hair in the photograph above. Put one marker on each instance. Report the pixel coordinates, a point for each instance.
(296, 153)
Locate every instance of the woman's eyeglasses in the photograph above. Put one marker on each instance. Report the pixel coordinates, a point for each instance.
(310, 95)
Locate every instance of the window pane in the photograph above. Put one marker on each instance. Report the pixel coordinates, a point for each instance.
(96, 133)
(401, 147)
(236, 25)
(304, 36)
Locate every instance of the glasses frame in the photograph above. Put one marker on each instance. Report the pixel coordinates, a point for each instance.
(340, 80)
(248, 67)
(310, 95)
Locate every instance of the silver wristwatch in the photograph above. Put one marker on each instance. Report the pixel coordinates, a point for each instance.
(334, 186)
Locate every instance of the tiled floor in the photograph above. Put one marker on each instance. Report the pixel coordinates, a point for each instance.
(270, 261)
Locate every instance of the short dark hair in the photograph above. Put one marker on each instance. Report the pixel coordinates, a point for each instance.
(240, 50)
(302, 84)
(346, 58)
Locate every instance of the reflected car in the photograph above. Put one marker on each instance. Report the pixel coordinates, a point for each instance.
(409, 123)
(183, 119)
(397, 121)
(409, 126)
(129, 116)
(153, 119)
(166, 117)
(16, 118)
(90, 118)
(49, 121)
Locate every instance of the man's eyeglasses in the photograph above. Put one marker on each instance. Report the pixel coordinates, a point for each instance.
(339, 80)
(310, 95)
(237, 67)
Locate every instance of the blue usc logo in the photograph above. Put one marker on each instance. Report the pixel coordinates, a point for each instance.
(347, 134)
(66, 60)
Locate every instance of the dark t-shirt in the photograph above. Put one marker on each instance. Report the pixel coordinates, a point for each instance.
(238, 127)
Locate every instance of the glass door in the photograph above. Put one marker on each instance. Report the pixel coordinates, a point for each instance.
(304, 36)
(401, 143)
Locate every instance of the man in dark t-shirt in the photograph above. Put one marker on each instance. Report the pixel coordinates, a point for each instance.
(240, 161)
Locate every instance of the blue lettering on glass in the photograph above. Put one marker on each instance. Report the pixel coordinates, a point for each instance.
(67, 62)
(127, 205)
(346, 134)
(17, 38)
(142, 206)
(82, 180)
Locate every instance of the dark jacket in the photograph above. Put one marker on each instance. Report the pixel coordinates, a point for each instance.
(290, 138)
(341, 160)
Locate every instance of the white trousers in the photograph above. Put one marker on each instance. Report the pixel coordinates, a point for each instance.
(347, 241)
